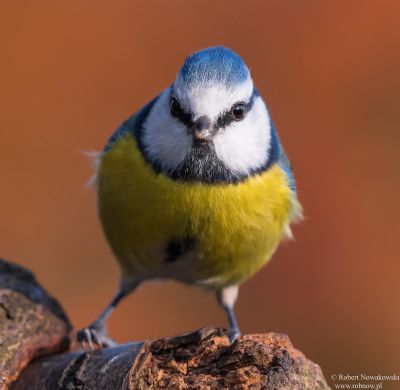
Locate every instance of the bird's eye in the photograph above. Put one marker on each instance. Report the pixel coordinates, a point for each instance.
(238, 111)
(175, 107)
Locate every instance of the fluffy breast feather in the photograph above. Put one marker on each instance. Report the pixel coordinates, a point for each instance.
(237, 227)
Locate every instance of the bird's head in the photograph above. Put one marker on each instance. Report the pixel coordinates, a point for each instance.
(210, 125)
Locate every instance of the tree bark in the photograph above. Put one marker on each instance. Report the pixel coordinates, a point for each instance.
(32, 323)
(201, 360)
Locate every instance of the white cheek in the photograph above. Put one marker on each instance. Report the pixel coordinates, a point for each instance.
(166, 140)
(244, 146)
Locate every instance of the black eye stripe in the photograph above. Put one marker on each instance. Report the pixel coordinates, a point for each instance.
(226, 118)
(179, 112)
(223, 120)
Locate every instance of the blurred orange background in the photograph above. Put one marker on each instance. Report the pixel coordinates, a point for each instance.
(330, 72)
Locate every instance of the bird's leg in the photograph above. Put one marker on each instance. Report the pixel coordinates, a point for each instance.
(227, 298)
(96, 332)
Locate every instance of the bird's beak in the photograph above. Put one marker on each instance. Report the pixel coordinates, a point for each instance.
(201, 129)
(202, 135)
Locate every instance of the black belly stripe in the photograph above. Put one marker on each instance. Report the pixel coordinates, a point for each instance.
(178, 247)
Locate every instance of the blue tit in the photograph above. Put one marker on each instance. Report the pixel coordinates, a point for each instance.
(195, 186)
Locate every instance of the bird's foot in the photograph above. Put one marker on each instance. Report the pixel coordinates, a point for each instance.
(95, 334)
(233, 334)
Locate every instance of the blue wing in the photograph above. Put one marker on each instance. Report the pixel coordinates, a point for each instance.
(287, 167)
(279, 156)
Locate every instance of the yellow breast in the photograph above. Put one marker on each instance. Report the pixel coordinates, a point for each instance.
(237, 227)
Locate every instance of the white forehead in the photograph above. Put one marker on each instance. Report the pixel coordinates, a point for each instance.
(211, 99)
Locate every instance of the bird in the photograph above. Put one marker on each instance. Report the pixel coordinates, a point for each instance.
(195, 187)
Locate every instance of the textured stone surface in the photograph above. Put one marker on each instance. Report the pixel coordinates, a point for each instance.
(32, 323)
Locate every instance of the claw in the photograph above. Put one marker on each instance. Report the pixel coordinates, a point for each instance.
(94, 334)
(95, 337)
(88, 338)
(233, 335)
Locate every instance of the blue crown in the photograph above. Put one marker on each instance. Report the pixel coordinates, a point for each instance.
(218, 65)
